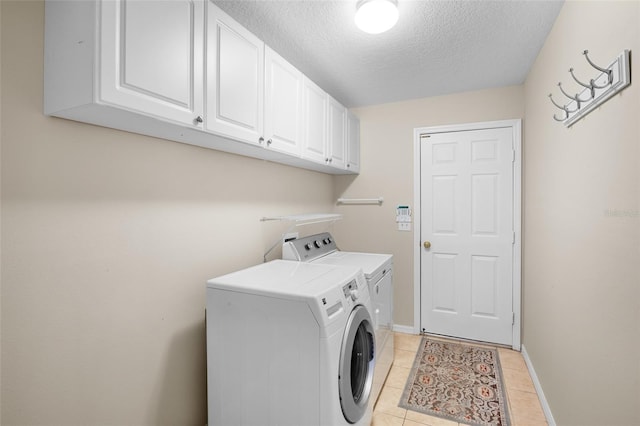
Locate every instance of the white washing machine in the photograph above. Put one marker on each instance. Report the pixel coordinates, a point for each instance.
(378, 271)
(290, 343)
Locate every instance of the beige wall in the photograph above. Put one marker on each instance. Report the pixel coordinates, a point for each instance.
(387, 171)
(582, 275)
(107, 241)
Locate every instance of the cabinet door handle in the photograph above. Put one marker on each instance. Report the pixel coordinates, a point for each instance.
(261, 140)
(269, 142)
(198, 119)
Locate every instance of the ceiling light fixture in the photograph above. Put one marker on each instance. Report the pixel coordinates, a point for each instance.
(376, 16)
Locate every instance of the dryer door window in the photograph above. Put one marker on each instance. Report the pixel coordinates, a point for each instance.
(357, 361)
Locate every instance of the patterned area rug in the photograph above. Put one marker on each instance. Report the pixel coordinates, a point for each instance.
(458, 382)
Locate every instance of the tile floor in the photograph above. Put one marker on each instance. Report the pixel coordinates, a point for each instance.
(524, 406)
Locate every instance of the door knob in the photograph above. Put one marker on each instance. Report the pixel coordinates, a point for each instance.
(427, 244)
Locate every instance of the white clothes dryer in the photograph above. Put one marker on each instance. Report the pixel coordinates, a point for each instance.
(378, 271)
(290, 343)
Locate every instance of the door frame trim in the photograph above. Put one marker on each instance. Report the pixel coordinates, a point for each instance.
(516, 127)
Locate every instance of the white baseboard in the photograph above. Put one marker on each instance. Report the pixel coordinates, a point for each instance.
(408, 329)
(536, 383)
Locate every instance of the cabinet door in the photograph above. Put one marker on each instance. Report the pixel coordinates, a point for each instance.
(283, 104)
(353, 143)
(337, 134)
(151, 57)
(235, 78)
(315, 122)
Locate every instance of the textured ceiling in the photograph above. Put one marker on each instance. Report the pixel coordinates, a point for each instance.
(436, 48)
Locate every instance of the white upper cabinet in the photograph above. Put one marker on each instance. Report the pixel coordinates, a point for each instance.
(183, 70)
(283, 105)
(315, 122)
(104, 59)
(325, 127)
(353, 143)
(235, 79)
(337, 133)
(151, 57)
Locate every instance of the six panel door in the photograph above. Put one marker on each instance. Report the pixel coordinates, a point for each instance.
(467, 231)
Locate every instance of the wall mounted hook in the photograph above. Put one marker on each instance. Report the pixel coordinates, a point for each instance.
(562, 107)
(573, 98)
(558, 119)
(555, 103)
(588, 86)
(607, 71)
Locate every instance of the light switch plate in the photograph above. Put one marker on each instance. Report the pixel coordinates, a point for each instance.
(404, 226)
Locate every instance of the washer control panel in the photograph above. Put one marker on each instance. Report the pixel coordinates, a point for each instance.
(351, 290)
(308, 248)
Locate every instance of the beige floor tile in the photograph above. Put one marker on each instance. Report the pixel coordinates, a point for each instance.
(412, 423)
(404, 358)
(518, 380)
(388, 402)
(423, 419)
(528, 422)
(384, 419)
(511, 359)
(397, 377)
(525, 408)
(407, 342)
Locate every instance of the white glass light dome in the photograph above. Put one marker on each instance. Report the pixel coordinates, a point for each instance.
(376, 16)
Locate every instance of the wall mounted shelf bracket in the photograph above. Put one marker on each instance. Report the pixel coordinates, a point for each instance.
(376, 201)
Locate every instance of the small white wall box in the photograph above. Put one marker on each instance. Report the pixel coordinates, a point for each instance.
(403, 218)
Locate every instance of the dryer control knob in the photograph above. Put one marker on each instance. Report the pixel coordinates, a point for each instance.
(354, 294)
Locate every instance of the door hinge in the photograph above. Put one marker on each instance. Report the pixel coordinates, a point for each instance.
(513, 158)
(513, 239)
(513, 318)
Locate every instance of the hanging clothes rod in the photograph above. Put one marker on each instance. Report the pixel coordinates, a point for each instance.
(364, 201)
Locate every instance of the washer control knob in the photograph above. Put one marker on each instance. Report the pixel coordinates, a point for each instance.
(317, 243)
(354, 294)
(308, 246)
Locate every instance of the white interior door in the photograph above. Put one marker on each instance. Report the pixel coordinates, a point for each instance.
(467, 234)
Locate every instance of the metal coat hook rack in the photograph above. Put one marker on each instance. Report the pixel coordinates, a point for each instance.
(607, 83)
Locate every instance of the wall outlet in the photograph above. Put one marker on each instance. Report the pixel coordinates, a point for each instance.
(404, 226)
